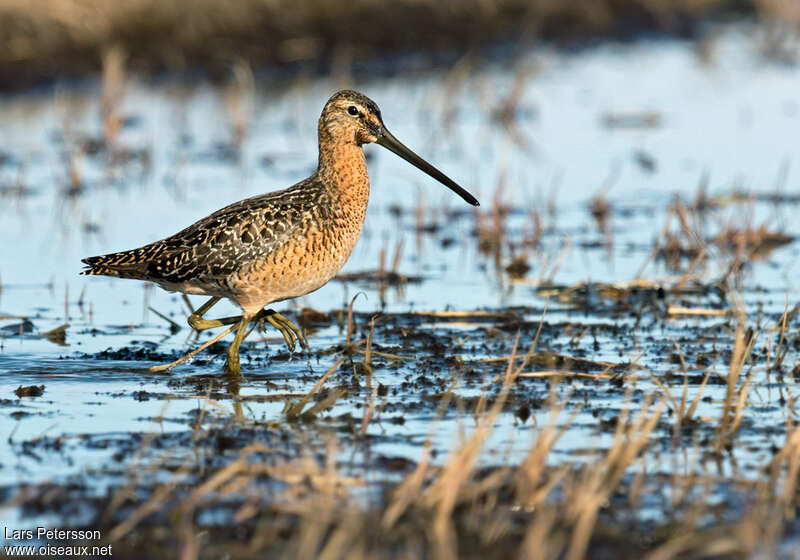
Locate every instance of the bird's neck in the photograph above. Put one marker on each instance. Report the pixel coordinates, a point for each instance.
(343, 168)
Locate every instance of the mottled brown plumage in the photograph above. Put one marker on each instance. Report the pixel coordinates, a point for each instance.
(278, 245)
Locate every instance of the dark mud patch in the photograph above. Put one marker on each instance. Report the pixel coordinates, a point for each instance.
(29, 391)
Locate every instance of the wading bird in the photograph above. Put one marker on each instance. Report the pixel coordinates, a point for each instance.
(278, 245)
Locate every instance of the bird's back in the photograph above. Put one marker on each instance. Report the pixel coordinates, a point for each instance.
(204, 255)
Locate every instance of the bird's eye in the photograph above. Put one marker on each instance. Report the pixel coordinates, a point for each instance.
(353, 110)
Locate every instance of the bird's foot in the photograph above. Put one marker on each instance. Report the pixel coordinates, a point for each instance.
(291, 334)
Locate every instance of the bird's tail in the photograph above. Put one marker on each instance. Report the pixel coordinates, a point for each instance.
(94, 266)
(125, 264)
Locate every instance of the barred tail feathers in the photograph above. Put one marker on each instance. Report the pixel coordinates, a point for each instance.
(124, 264)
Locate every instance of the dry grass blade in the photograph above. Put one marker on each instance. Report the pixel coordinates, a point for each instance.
(781, 350)
(703, 312)
(738, 412)
(350, 323)
(664, 390)
(368, 411)
(153, 504)
(442, 495)
(696, 400)
(468, 314)
(529, 488)
(325, 403)
(387, 355)
(173, 326)
(563, 373)
(293, 410)
(732, 415)
(165, 367)
(559, 261)
(602, 479)
(407, 493)
(368, 347)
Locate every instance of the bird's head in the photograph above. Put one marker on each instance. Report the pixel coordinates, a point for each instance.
(352, 117)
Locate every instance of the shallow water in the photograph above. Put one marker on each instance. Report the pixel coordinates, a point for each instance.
(732, 119)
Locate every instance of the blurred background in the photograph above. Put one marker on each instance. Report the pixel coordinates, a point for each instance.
(56, 39)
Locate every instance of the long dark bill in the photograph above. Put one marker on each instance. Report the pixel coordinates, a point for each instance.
(388, 141)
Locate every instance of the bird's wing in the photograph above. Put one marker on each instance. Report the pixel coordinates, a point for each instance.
(216, 246)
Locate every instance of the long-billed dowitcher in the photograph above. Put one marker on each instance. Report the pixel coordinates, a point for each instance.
(279, 245)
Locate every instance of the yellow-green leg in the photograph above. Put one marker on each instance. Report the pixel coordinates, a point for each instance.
(291, 334)
(197, 322)
(232, 364)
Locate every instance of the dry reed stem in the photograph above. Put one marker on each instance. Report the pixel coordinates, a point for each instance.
(295, 409)
(114, 59)
(386, 355)
(368, 347)
(368, 411)
(408, 491)
(135, 470)
(476, 313)
(563, 373)
(728, 425)
(165, 367)
(673, 310)
(156, 500)
(173, 325)
(530, 492)
(350, 323)
(442, 495)
(689, 274)
(680, 356)
(780, 356)
(696, 399)
(322, 513)
(559, 260)
(604, 477)
(705, 544)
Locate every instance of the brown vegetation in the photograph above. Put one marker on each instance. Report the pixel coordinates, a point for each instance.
(56, 38)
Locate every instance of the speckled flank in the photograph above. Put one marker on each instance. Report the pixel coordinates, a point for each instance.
(273, 246)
